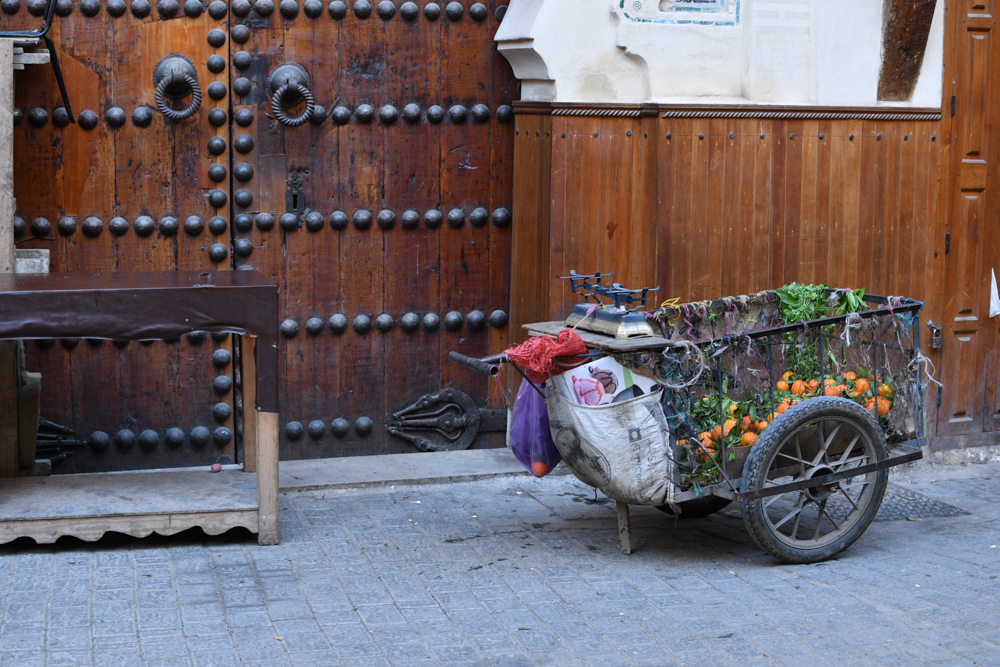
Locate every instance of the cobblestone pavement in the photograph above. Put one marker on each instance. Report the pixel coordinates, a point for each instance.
(513, 571)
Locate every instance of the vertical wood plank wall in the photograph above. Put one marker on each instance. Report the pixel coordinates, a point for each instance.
(712, 207)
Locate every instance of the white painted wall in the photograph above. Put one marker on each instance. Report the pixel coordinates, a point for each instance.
(788, 52)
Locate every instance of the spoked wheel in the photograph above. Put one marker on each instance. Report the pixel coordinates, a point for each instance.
(698, 508)
(817, 437)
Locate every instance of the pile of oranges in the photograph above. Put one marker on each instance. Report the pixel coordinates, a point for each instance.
(743, 430)
(849, 385)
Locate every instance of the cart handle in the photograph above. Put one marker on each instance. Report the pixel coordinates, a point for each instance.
(487, 365)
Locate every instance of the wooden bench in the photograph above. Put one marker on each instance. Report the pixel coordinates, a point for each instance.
(144, 306)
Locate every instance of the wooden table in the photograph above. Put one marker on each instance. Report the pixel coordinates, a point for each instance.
(144, 306)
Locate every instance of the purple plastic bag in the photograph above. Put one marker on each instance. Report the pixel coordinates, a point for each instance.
(530, 439)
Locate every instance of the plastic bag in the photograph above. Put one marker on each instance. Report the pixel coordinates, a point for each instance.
(528, 435)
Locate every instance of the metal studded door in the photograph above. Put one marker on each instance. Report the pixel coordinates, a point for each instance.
(120, 186)
(372, 178)
(363, 154)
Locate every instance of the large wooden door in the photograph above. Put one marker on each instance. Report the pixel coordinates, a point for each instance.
(384, 217)
(970, 362)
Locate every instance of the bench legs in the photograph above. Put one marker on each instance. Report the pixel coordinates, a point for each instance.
(267, 477)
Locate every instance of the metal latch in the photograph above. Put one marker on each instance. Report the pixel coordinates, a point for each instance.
(295, 198)
(936, 337)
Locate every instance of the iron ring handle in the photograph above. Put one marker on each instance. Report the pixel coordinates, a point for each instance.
(174, 114)
(278, 105)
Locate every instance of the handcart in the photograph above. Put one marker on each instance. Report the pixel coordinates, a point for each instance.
(798, 422)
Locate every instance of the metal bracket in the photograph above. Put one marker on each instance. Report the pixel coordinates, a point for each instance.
(448, 420)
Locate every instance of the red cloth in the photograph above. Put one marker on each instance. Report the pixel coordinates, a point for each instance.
(537, 356)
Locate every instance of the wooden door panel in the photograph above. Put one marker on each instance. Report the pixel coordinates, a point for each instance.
(365, 257)
(99, 177)
(967, 404)
(975, 90)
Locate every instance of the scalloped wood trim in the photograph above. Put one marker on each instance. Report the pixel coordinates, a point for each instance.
(91, 529)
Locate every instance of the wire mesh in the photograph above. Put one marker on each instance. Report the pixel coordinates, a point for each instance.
(736, 366)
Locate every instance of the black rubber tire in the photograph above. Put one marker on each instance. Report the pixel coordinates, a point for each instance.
(698, 508)
(764, 452)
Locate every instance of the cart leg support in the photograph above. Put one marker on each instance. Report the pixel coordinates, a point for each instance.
(624, 527)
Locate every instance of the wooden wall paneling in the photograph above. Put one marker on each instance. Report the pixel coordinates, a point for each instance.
(676, 174)
(362, 156)
(902, 248)
(794, 201)
(812, 237)
(412, 182)
(761, 223)
(566, 136)
(869, 211)
(774, 135)
(850, 175)
(530, 226)
(725, 175)
(644, 208)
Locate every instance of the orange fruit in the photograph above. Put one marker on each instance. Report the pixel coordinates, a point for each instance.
(787, 376)
(781, 385)
(832, 390)
(748, 439)
(885, 391)
(730, 423)
(539, 469)
(782, 408)
(746, 423)
(883, 406)
(850, 376)
(861, 385)
(733, 408)
(813, 384)
(704, 435)
(798, 387)
(854, 394)
(716, 433)
(761, 425)
(829, 381)
(869, 404)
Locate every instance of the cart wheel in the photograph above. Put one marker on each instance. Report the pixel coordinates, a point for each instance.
(698, 508)
(814, 438)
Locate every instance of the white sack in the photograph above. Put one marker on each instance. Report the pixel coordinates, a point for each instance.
(621, 448)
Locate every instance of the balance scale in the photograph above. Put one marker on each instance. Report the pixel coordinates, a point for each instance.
(618, 320)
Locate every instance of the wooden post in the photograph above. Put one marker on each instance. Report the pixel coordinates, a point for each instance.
(624, 527)
(248, 375)
(267, 475)
(8, 348)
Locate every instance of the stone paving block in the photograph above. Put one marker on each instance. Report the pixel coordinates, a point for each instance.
(67, 658)
(216, 658)
(22, 658)
(261, 649)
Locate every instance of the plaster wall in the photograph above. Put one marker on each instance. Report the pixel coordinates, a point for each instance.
(787, 52)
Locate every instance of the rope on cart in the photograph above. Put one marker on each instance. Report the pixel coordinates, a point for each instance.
(690, 349)
(915, 366)
(853, 321)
